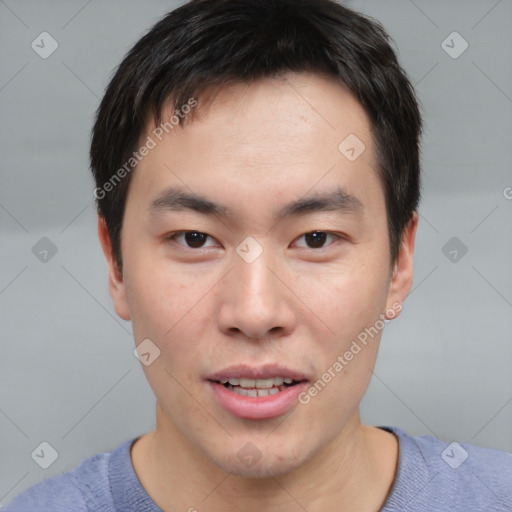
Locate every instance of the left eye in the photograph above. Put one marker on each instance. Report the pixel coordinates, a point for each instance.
(317, 238)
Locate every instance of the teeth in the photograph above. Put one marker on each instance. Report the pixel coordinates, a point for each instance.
(257, 383)
(264, 383)
(255, 392)
(247, 383)
(256, 387)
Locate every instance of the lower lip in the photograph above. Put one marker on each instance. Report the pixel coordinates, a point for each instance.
(257, 408)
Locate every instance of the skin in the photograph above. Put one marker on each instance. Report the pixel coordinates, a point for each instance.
(255, 148)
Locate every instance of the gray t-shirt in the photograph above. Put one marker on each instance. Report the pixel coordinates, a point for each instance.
(433, 476)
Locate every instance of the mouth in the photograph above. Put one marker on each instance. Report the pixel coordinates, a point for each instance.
(257, 393)
(258, 387)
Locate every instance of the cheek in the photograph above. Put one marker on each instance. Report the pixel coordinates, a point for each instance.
(173, 309)
(153, 307)
(346, 307)
(347, 299)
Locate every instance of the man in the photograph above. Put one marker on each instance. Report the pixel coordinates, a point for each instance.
(257, 179)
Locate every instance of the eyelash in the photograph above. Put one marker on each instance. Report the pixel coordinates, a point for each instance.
(173, 236)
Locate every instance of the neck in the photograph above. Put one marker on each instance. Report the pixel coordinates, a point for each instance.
(355, 472)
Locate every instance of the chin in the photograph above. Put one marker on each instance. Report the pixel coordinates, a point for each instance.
(251, 462)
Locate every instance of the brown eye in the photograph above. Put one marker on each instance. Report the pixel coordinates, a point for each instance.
(192, 239)
(316, 239)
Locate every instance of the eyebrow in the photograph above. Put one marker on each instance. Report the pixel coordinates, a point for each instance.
(177, 199)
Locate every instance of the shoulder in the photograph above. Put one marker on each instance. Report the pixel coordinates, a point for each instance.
(462, 475)
(462, 463)
(83, 489)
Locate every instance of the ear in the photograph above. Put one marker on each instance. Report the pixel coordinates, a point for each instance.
(401, 280)
(115, 277)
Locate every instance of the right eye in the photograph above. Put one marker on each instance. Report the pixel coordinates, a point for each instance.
(192, 239)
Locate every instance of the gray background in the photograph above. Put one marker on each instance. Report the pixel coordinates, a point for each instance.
(68, 373)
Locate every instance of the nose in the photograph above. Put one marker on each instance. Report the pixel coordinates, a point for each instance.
(256, 301)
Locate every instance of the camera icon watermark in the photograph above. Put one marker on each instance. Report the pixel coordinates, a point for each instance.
(454, 249)
(249, 249)
(352, 147)
(507, 193)
(44, 250)
(454, 455)
(146, 352)
(44, 45)
(454, 45)
(44, 455)
(249, 454)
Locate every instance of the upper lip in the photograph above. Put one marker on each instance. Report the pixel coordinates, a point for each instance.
(266, 371)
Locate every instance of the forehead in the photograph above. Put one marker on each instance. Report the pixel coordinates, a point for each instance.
(292, 134)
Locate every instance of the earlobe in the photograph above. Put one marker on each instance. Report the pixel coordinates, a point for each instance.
(116, 282)
(401, 281)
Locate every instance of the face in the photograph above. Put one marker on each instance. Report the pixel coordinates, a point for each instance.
(284, 269)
